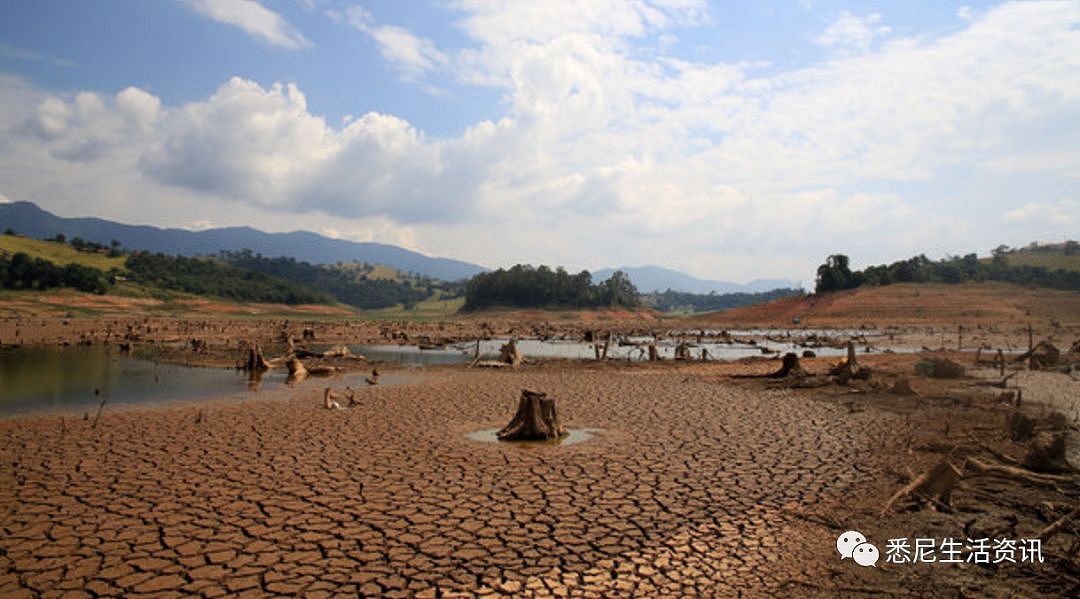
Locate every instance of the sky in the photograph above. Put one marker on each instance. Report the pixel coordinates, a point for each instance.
(732, 141)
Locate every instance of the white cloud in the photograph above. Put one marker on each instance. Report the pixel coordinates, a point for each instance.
(399, 46)
(13, 53)
(605, 156)
(255, 19)
(1062, 216)
(851, 31)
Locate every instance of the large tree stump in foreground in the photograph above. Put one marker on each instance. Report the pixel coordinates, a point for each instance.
(537, 419)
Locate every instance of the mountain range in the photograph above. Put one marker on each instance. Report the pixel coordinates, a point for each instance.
(26, 218)
(657, 279)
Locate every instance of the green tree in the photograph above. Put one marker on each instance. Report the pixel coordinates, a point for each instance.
(834, 275)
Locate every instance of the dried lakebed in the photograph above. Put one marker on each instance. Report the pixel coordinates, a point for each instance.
(688, 488)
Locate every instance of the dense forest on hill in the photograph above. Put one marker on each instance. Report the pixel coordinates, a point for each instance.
(347, 285)
(836, 274)
(526, 287)
(23, 272)
(203, 276)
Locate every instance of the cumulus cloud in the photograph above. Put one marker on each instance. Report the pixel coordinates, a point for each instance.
(255, 19)
(851, 31)
(607, 153)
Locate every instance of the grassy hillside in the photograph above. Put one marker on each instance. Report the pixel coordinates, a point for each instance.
(1047, 256)
(59, 253)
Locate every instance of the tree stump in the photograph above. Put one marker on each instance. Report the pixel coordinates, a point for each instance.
(849, 368)
(789, 367)
(297, 372)
(537, 419)
(1047, 454)
(509, 353)
(256, 361)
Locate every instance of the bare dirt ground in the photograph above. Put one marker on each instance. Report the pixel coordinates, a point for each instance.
(912, 304)
(686, 490)
(698, 483)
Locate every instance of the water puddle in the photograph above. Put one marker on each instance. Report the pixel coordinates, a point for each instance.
(575, 435)
(74, 378)
(628, 349)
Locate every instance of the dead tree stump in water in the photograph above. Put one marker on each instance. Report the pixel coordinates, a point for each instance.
(509, 353)
(537, 419)
(256, 361)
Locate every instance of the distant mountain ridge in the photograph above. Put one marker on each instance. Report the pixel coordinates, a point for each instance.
(28, 219)
(657, 278)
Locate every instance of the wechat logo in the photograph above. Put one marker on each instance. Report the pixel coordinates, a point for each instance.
(852, 545)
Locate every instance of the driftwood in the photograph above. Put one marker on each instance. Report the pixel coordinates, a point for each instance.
(1041, 355)
(935, 486)
(536, 419)
(1051, 530)
(329, 398)
(1034, 478)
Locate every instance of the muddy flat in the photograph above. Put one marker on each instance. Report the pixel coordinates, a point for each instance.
(686, 490)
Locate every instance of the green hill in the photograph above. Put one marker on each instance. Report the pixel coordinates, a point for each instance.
(59, 254)
(1051, 256)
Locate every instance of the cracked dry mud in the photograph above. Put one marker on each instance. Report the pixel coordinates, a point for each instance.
(688, 490)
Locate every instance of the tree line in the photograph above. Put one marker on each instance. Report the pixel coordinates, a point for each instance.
(527, 287)
(20, 271)
(836, 274)
(348, 287)
(203, 276)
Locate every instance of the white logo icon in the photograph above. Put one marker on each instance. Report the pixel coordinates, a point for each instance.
(852, 544)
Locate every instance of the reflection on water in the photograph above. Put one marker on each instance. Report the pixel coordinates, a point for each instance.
(410, 354)
(67, 378)
(633, 349)
(574, 435)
